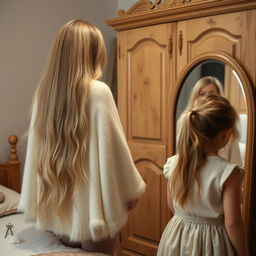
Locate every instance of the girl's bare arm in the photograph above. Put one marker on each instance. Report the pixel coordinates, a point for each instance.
(232, 213)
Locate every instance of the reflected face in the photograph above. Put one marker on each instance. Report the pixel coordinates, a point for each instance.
(208, 89)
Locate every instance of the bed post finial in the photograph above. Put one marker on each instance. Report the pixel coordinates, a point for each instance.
(13, 157)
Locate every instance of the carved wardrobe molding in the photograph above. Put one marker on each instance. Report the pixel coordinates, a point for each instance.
(145, 12)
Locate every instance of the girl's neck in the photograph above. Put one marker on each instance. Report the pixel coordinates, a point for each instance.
(211, 152)
(215, 144)
(211, 149)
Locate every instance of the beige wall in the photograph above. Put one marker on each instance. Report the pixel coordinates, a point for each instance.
(126, 4)
(27, 29)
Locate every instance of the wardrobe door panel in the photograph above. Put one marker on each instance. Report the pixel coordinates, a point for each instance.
(248, 54)
(220, 33)
(144, 79)
(145, 96)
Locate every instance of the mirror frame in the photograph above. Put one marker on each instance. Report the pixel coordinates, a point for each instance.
(250, 103)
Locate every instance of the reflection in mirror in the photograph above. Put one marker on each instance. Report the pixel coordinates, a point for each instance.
(233, 91)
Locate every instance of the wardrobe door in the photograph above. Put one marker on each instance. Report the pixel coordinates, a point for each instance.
(231, 35)
(144, 77)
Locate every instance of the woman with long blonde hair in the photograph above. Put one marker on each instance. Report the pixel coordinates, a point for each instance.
(203, 87)
(79, 177)
(203, 188)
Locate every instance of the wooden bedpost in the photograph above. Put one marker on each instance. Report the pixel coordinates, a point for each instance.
(13, 157)
(13, 175)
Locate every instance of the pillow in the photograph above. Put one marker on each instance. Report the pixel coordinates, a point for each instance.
(71, 254)
(11, 201)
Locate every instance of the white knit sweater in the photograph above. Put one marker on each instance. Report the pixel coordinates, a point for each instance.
(100, 208)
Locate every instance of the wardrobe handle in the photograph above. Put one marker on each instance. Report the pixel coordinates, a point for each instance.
(180, 42)
(170, 46)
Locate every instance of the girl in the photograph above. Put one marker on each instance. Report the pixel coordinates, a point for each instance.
(211, 85)
(203, 188)
(79, 177)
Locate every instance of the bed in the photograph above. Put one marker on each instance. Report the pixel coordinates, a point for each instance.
(18, 238)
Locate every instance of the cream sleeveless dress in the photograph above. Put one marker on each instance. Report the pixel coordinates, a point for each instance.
(198, 229)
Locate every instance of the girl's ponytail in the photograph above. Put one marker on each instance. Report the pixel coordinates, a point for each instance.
(204, 121)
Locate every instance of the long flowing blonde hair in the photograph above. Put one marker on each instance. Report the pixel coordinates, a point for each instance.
(209, 116)
(61, 123)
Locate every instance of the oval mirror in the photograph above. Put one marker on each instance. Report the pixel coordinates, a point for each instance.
(233, 91)
(239, 90)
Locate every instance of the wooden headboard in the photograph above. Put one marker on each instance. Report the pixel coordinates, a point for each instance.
(10, 170)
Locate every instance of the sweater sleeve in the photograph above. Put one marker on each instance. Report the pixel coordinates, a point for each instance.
(28, 197)
(110, 163)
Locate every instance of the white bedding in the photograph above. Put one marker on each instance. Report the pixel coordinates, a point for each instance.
(32, 241)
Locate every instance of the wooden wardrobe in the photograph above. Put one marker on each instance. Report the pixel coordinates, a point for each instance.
(159, 44)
